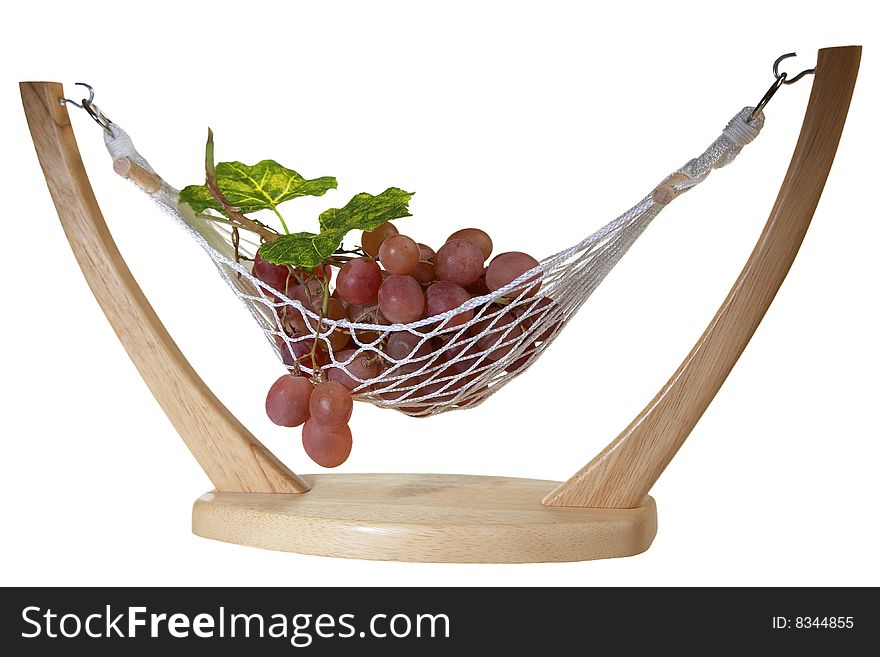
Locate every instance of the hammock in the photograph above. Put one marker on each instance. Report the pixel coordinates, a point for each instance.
(450, 365)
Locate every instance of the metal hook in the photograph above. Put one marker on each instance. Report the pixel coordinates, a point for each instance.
(777, 74)
(65, 101)
(89, 106)
(781, 79)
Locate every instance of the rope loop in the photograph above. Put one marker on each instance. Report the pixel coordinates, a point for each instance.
(740, 130)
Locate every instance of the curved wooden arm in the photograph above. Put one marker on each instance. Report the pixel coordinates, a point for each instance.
(232, 457)
(623, 473)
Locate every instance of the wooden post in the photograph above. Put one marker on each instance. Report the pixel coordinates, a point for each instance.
(623, 473)
(232, 457)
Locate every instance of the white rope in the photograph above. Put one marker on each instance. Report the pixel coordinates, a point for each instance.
(455, 372)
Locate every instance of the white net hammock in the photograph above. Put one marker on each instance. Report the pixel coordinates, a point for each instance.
(445, 365)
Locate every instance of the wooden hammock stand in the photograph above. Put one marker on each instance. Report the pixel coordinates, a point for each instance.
(602, 511)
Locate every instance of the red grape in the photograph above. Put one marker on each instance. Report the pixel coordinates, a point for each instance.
(509, 266)
(330, 404)
(520, 362)
(403, 344)
(310, 293)
(339, 337)
(503, 330)
(287, 403)
(410, 384)
(426, 253)
(359, 280)
(537, 311)
(321, 272)
(442, 297)
(478, 287)
(274, 276)
(302, 352)
(365, 365)
(399, 254)
(477, 236)
(365, 315)
(292, 320)
(359, 312)
(465, 352)
(326, 446)
(424, 271)
(459, 262)
(287, 357)
(371, 240)
(401, 299)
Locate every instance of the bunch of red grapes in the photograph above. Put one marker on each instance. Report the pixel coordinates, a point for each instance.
(397, 281)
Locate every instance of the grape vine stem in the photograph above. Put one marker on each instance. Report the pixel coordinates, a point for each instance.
(231, 211)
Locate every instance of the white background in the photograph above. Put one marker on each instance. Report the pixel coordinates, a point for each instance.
(536, 121)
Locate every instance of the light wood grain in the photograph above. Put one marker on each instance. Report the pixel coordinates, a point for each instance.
(428, 518)
(231, 456)
(623, 473)
(149, 182)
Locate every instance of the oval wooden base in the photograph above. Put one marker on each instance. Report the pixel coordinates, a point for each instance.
(425, 517)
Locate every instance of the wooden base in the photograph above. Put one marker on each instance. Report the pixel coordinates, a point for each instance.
(425, 517)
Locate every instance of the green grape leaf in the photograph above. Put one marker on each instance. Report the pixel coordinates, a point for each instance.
(367, 212)
(262, 186)
(302, 249)
(363, 212)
